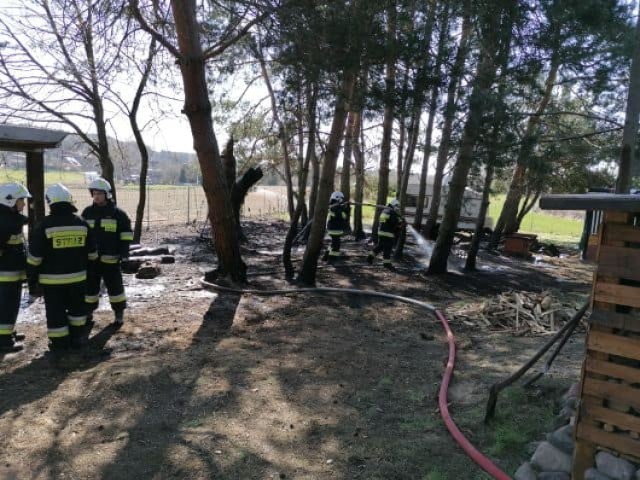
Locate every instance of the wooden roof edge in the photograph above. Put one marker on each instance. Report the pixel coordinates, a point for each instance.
(19, 138)
(591, 201)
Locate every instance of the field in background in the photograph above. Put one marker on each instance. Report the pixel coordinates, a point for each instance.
(166, 204)
(549, 227)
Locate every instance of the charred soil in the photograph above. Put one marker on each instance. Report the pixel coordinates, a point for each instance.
(202, 385)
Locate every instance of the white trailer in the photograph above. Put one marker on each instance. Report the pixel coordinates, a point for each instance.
(469, 212)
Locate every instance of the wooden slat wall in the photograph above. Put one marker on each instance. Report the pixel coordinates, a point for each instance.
(609, 413)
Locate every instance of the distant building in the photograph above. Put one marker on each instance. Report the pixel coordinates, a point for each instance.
(70, 163)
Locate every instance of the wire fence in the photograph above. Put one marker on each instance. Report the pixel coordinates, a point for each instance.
(172, 205)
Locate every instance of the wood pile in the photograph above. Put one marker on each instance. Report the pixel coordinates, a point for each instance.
(521, 312)
(145, 262)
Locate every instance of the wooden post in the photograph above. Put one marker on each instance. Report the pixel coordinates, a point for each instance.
(35, 185)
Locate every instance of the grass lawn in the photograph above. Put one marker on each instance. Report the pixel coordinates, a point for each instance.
(50, 177)
(549, 228)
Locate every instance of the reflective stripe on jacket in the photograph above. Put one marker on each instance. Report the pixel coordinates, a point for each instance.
(60, 248)
(112, 229)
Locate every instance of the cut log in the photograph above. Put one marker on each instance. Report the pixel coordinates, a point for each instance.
(131, 265)
(148, 270)
(144, 251)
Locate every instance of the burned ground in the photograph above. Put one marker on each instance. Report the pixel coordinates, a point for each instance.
(203, 385)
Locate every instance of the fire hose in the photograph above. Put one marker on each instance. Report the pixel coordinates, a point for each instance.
(477, 456)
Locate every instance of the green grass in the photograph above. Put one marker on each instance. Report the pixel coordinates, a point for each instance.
(20, 175)
(549, 228)
(521, 417)
(436, 474)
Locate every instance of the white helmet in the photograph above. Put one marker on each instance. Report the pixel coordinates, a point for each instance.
(337, 197)
(102, 185)
(58, 193)
(395, 204)
(10, 192)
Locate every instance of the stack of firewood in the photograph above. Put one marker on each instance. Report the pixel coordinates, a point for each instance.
(145, 262)
(522, 312)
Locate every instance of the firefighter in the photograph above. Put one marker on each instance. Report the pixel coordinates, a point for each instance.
(113, 233)
(337, 223)
(60, 249)
(389, 227)
(13, 262)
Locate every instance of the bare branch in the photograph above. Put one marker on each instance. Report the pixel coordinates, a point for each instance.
(161, 39)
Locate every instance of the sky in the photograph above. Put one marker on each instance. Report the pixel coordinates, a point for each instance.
(168, 130)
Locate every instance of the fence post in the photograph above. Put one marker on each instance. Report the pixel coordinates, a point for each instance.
(148, 206)
(188, 204)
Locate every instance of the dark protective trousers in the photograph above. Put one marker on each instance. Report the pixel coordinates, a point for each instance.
(385, 245)
(112, 276)
(10, 293)
(335, 245)
(66, 312)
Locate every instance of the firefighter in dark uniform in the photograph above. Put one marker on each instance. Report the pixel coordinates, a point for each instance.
(390, 225)
(113, 233)
(337, 223)
(60, 249)
(13, 262)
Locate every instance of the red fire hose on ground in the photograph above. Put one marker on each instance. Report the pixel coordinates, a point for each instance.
(484, 463)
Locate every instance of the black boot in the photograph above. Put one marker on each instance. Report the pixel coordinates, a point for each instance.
(78, 343)
(8, 345)
(10, 348)
(118, 317)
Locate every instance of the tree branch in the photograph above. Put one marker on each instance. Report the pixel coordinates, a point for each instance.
(161, 39)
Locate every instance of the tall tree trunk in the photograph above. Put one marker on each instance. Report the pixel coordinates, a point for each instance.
(411, 149)
(312, 101)
(142, 147)
(309, 266)
(424, 170)
(507, 222)
(406, 173)
(197, 108)
(433, 105)
(499, 121)
(315, 184)
(629, 133)
(472, 254)
(104, 156)
(447, 128)
(299, 116)
(283, 136)
(481, 89)
(387, 122)
(402, 132)
(421, 83)
(358, 229)
(345, 177)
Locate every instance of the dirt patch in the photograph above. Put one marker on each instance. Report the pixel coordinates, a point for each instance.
(202, 385)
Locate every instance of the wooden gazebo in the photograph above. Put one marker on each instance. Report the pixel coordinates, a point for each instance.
(33, 142)
(608, 416)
